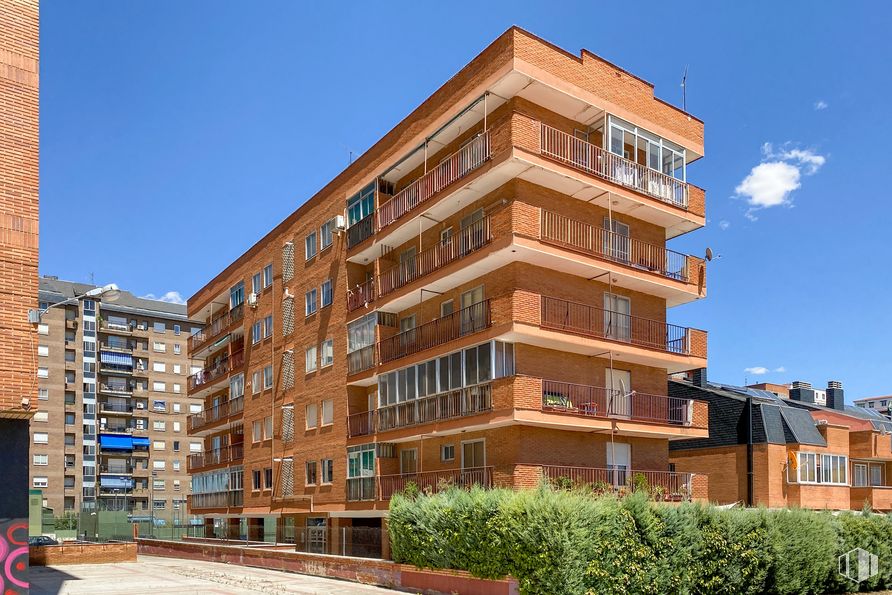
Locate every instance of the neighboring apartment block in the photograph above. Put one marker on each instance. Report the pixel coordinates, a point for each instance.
(480, 298)
(763, 449)
(19, 86)
(111, 430)
(881, 405)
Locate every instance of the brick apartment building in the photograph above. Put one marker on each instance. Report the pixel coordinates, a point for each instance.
(797, 451)
(19, 86)
(479, 298)
(111, 430)
(882, 404)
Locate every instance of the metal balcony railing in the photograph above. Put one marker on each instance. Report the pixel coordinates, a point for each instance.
(434, 481)
(669, 485)
(218, 456)
(217, 326)
(596, 401)
(361, 360)
(216, 413)
(466, 321)
(360, 231)
(599, 162)
(218, 370)
(361, 488)
(361, 424)
(457, 403)
(361, 296)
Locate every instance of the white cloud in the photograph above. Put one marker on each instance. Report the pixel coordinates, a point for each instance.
(770, 183)
(820, 104)
(756, 370)
(724, 224)
(171, 297)
(780, 369)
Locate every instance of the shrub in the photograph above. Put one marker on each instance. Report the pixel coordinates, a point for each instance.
(557, 541)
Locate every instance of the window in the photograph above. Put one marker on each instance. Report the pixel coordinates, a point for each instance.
(43, 372)
(255, 480)
(159, 347)
(159, 465)
(327, 412)
(256, 430)
(195, 447)
(159, 426)
(176, 329)
(159, 367)
(237, 294)
(159, 327)
(327, 352)
(326, 233)
(159, 504)
(194, 408)
(43, 351)
(43, 329)
(41, 460)
(158, 484)
(176, 348)
(310, 307)
(821, 468)
(176, 428)
(361, 461)
(256, 332)
(44, 437)
(255, 382)
(176, 484)
(311, 245)
(255, 283)
(326, 293)
(176, 388)
(159, 445)
(177, 369)
(311, 473)
(40, 481)
(268, 478)
(446, 236)
(176, 445)
(447, 452)
(43, 394)
(236, 386)
(311, 359)
(267, 276)
(361, 333)
(312, 417)
(159, 386)
(44, 416)
(361, 204)
(268, 427)
(268, 326)
(267, 377)
(327, 470)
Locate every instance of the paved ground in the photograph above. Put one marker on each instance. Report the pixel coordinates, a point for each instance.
(152, 575)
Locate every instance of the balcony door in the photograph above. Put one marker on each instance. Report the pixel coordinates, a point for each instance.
(472, 314)
(471, 234)
(473, 455)
(407, 265)
(619, 462)
(407, 331)
(619, 392)
(617, 317)
(616, 240)
(409, 461)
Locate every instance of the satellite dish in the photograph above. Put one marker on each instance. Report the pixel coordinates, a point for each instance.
(709, 254)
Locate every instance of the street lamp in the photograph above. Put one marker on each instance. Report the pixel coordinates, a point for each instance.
(108, 293)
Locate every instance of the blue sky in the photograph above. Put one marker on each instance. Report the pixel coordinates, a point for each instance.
(180, 132)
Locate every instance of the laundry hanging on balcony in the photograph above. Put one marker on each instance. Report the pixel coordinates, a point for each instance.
(117, 359)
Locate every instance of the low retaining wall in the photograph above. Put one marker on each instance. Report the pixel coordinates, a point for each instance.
(382, 573)
(81, 553)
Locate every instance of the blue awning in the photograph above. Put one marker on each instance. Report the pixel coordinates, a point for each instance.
(119, 359)
(115, 482)
(139, 442)
(108, 442)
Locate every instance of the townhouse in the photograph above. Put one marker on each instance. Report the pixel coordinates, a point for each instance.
(480, 298)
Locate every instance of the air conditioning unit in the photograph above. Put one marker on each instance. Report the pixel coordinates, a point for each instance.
(252, 300)
(140, 405)
(340, 223)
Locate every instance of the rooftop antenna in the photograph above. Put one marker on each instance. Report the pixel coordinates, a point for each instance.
(684, 89)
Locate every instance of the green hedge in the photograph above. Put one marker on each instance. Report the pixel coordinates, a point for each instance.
(557, 542)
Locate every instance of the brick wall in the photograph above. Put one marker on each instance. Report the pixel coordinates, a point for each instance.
(81, 553)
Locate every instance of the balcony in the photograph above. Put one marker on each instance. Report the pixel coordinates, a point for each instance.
(879, 497)
(113, 327)
(217, 327)
(668, 486)
(361, 360)
(601, 163)
(361, 296)
(361, 424)
(361, 488)
(360, 231)
(437, 332)
(115, 389)
(591, 321)
(232, 498)
(219, 456)
(116, 469)
(595, 401)
(474, 154)
(116, 408)
(211, 415)
(118, 346)
(454, 404)
(210, 374)
(469, 240)
(434, 481)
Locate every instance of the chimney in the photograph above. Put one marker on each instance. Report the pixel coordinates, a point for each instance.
(835, 396)
(803, 392)
(698, 377)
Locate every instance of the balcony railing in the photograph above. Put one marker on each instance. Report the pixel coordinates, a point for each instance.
(361, 296)
(215, 413)
(596, 401)
(472, 238)
(591, 321)
(116, 407)
(359, 231)
(215, 328)
(212, 373)
(603, 243)
(361, 360)
(596, 161)
(361, 424)
(465, 401)
(361, 488)
(471, 156)
(215, 500)
(218, 456)
(434, 481)
(115, 388)
(116, 469)
(466, 321)
(667, 485)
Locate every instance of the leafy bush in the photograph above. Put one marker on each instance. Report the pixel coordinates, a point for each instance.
(558, 541)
